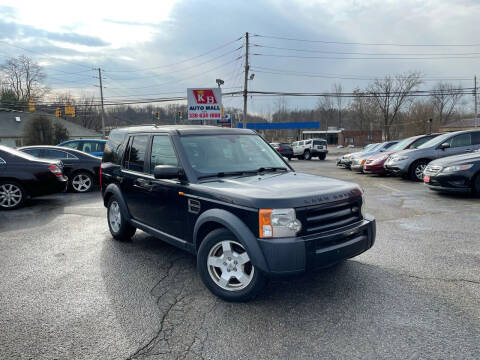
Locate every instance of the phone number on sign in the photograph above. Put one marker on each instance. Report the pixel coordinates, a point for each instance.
(205, 116)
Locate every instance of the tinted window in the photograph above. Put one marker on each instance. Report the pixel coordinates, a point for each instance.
(113, 151)
(308, 142)
(90, 147)
(162, 152)
(2, 161)
(136, 153)
(389, 144)
(319, 142)
(33, 152)
(461, 140)
(53, 154)
(476, 138)
(72, 145)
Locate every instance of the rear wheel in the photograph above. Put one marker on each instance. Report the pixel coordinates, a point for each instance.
(307, 155)
(416, 170)
(12, 195)
(81, 182)
(225, 267)
(119, 227)
(322, 156)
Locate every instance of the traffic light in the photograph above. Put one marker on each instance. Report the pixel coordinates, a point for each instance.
(72, 111)
(157, 116)
(31, 105)
(180, 115)
(58, 112)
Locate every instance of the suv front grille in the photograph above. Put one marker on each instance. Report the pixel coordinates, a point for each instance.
(331, 216)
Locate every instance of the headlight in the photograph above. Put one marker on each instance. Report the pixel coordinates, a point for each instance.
(450, 169)
(399, 158)
(278, 223)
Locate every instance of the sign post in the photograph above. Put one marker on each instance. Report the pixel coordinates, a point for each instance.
(204, 104)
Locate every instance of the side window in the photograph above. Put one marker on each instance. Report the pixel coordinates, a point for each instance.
(309, 142)
(71, 156)
(54, 154)
(72, 145)
(2, 161)
(461, 140)
(162, 152)
(476, 138)
(136, 153)
(33, 152)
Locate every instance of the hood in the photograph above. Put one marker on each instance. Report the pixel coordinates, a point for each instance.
(284, 190)
(457, 159)
(409, 151)
(379, 155)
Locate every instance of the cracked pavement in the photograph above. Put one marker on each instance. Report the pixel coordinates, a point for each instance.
(68, 290)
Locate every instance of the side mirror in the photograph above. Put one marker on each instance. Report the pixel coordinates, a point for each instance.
(444, 146)
(166, 172)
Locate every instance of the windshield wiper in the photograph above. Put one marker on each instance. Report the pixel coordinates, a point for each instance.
(227, 173)
(270, 168)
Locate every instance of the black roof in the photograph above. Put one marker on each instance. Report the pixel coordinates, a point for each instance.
(185, 129)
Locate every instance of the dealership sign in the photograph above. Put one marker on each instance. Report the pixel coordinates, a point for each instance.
(204, 104)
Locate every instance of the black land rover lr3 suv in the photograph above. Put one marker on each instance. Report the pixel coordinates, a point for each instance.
(229, 198)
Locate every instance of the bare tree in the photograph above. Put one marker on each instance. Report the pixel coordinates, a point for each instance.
(326, 109)
(337, 91)
(445, 98)
(391, 95)
(24, 77)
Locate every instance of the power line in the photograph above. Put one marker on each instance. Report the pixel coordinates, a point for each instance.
(364, 43)
(365, 58)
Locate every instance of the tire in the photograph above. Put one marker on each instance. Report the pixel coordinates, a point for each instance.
(289, 158)
(416, 170)
(81, 182)
(476, 185)
(213, 262)
(307, 155)
(12, 195)
(119, 227)
(322, 157)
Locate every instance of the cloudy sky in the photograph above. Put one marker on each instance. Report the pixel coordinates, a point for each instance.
(152, 49)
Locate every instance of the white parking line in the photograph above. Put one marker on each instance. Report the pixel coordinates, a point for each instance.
(389, 188)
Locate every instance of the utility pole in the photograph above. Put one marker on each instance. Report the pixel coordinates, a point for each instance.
(475, 120)
(245, 88)
(101, 98)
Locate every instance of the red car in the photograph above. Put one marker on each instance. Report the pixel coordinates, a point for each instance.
(374, 164)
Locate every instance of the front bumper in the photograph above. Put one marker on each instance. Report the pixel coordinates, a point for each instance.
(344, 163)
(289, 256)
(374, 169)
(396, 168)
(357, 167)
(454, 182)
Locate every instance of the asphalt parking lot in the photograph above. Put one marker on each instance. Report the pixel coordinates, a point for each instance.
(67, 290)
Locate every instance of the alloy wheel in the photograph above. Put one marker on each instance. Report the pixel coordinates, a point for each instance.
(419, 171)
(229, 265)
(114, 216)
(81, 183)
(10, 195)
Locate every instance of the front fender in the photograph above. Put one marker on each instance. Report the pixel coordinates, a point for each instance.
(238, 228)
(113, 189)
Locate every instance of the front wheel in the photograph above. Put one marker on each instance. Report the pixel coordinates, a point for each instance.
(416, 171)
(119, 227)
(225, 267)
(12, 195)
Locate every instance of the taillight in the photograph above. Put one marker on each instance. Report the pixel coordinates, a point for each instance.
(280, 148)
(100, 174)
(55, 170)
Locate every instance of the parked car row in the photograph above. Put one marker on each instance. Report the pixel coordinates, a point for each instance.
(445, 162)
(32, 171)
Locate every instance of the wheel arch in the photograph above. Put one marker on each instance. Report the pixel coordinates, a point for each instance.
(218, 218)
(114, 190)
(427, 160)
(15, 180)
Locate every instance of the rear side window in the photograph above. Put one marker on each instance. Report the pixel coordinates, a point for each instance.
(135, 156)
(113, 150)
(319, 142)
(90, 146)
(461, 140)
(476, 138)
(162, 152)
(33, 152)
(53, 154)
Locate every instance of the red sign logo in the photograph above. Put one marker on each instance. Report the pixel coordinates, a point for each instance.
(204, 96)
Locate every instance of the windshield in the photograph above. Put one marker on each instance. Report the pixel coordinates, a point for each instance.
(373, 147)
(401, 145)
(209, 155)
(435, 141)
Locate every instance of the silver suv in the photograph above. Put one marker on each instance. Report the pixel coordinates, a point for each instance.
(307, 149)
(412, 163)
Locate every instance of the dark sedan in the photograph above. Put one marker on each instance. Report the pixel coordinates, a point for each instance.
(81, 168)
(23, 176)
(459, 173)
(285, 150)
